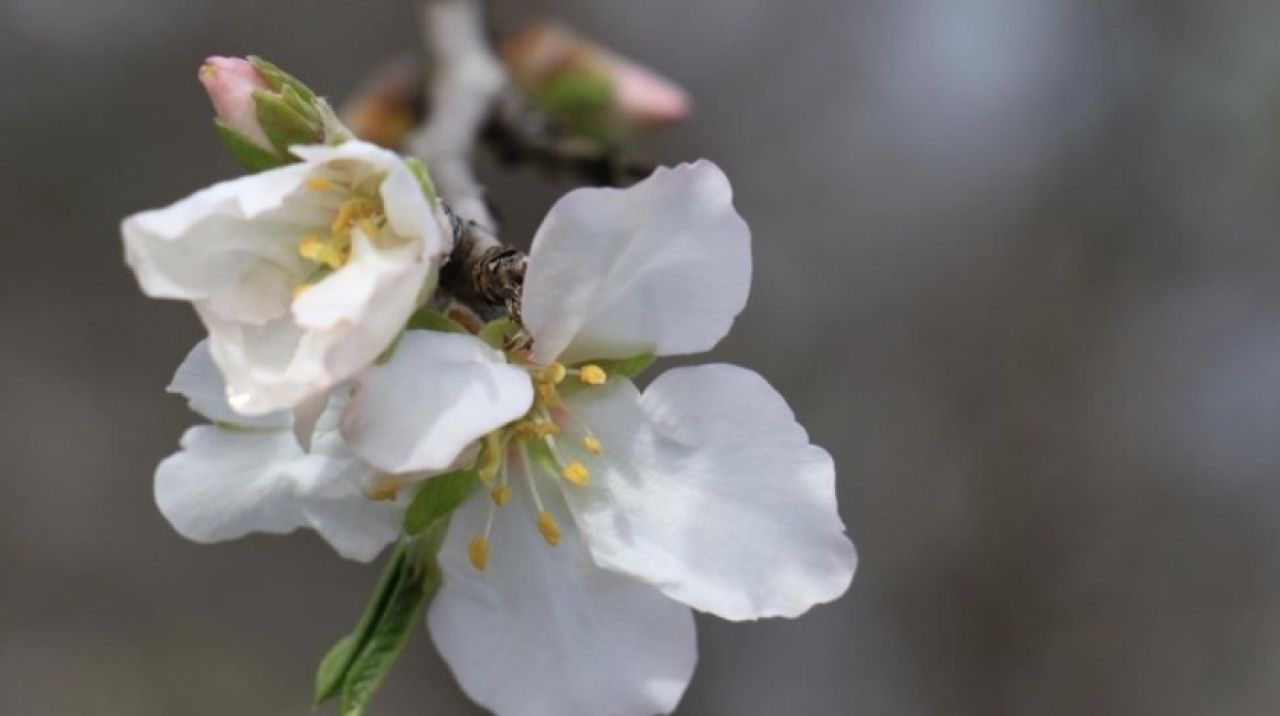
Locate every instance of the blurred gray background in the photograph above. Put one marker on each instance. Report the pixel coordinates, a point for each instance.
(1016, 267)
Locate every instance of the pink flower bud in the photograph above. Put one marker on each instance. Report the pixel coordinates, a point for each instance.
(540, 53)
(231, 82)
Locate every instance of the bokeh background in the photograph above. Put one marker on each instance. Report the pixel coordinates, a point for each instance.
(1016, 267)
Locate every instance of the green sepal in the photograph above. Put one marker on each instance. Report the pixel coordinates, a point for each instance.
(575, 93)
(498, 331)
(584, 102)
(246, 152)
(284, 125)
(277, 78)
(416, 582)
(425, 319)
(438, 497)
(423, 176)
(626, 367)
(335, 665)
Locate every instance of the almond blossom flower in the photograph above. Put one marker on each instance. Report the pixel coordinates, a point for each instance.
(701, 491)
(303, 274)
(246, 474)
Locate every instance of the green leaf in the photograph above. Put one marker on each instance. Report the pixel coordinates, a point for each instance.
(498, 331)
(333, 668)
(283, 124)
(337, 663)
(416, 583)
(248, 154)
(425, 319)
(626, 367)
(438, 497)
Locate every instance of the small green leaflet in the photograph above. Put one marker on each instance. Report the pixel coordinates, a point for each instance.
(419, 579)
(438, 497)
(358, 664)
(333, 668)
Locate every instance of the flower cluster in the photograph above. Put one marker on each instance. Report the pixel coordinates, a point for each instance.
(591, 515)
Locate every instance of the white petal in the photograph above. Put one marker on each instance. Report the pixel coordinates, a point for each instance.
(270, 367)
(408, 211)
(214, 245)
(306, 416)
(710, 490)
(437, 394)
(662, 266)
(333, 481)
(544, 632)
(233, 251)
(200, 382)
(225, 484)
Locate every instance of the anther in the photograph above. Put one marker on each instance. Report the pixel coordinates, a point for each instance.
(549, 529)
(478, 551)
(384, 491)
(553, 373)
(319, 184)
(592, 444)
(500, 494)
(576, 473)
(592, 374)
(312, 247)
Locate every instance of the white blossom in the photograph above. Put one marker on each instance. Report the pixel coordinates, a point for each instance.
(302, 275)
(702, 490)
(246, 474)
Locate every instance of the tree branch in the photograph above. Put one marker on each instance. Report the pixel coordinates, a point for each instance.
(464, 84)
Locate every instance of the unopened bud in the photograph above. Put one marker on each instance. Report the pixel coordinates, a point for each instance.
(263, 111)
(231, 82)
(593, 90)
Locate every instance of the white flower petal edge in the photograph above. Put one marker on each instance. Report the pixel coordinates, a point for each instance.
(544, 632)
(662, 266)
(437, 394)
(238, 477)
(709, 490)
(235, 250)
(199, 381)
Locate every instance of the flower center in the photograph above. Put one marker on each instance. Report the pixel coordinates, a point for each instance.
(330, 250)
(549, 439)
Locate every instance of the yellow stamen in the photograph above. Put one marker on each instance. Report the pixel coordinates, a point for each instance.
(478, 551)
(592, 444)
(319, 184)
(548, 394)
(384, 491)
(500, 494)
(545, 428)
(312, 247)
(592, 374)
(576, 473)
(553, 373)
(301, 289)
(549, 529)
(369, 228)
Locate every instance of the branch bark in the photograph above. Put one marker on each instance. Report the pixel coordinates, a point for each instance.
(464, 85)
